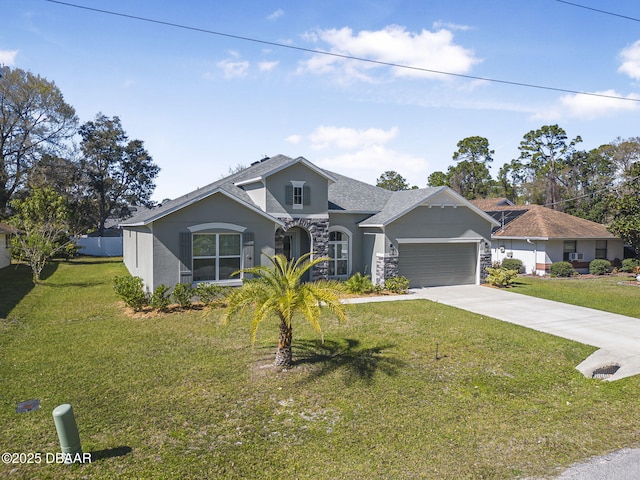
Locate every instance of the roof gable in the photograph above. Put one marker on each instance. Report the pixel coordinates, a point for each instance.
(402, 202)
(230, 191)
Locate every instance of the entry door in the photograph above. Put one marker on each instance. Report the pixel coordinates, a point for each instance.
(290, 245)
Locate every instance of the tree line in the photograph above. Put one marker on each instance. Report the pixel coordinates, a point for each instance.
(601, 185)
(94, 167)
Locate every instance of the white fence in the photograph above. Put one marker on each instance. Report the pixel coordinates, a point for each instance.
(100, 246)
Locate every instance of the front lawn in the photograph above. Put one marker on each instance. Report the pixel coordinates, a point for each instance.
(611, 293)
(180, 396)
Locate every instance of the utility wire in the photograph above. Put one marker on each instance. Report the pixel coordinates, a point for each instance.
(614, 188)
(599, 11)
(339, 55)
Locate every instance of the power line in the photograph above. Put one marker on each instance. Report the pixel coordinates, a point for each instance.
(599, 11)
(339, 55)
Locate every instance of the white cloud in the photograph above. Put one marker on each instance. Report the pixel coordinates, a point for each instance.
(590, 107)
(275, 15)
(450, 26)
(363, 153)
(8, 57)
(267, 66)
(394, 45)
(630, 57)
(350, 138)
(234, 69)
(367, 164)
(295, 139)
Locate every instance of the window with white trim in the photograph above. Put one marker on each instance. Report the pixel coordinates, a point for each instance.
(298, 200)
(216, 256)
(338, 254)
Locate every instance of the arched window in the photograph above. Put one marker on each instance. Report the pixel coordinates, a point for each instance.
(339, 253)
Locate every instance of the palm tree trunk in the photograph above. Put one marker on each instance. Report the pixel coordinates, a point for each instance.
(284, 356)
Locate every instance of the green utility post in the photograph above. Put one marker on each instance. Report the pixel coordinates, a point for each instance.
(67, 431)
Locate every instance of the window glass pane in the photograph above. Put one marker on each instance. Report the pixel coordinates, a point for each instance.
(204, 245)
(229, 244)
(570, 246)
(332, 236)
(332, 251)
(297, 195)
(228, 266)
(342, 251)
(332, 268)
(204, 269)
(342, 267)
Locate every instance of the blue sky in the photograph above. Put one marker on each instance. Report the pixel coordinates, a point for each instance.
(205, 103)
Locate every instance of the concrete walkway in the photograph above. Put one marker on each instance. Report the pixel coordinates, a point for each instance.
(617, 336)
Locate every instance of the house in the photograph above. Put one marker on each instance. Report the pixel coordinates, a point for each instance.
(5, 244)
(432, 236)
(540, 236)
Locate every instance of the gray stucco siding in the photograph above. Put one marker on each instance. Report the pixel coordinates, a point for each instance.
(437, 222)
(360, 256)
(216, 209)
(137, 246)
(276, 187)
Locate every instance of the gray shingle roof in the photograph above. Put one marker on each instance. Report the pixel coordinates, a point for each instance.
(345, 194)
(400, 203)
(227, 184)
(350, 195)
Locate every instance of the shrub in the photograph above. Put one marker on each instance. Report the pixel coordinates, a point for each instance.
(131, 291)
(501, 277)
(397, 284)
(160, 299)
(599, 266)
(562, 269)
(629, 264)
(512, 264)
(182, 294)
(210, 294)
(359, 284)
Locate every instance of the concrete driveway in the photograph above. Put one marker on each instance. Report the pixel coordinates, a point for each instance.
(617, 336)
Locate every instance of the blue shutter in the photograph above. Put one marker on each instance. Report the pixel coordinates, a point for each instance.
(306, 195)
(288, 194)
(186, 275)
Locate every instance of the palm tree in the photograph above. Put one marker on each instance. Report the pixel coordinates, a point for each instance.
(277, 290)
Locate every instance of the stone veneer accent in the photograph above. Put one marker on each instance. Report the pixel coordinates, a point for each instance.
(485, 261)
(319, 232)
(386, 267)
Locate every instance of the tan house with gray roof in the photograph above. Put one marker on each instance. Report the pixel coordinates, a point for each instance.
(432, 236)
(540, 236)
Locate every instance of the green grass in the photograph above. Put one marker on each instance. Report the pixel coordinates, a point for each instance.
(180, 396)
(608, 293)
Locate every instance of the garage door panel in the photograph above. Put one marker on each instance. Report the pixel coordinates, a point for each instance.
(438, 264)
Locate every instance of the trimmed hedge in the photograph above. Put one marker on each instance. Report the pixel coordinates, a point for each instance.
(512, 264)
(562, 269)
(599, 266)
(630, 264)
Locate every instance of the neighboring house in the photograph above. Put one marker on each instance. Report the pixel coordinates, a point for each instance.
(5, 244)
(540, 236)
(432, 236)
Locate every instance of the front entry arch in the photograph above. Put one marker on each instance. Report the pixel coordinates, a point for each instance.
(299, 236)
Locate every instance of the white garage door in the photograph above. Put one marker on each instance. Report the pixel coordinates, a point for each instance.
(432, 264)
